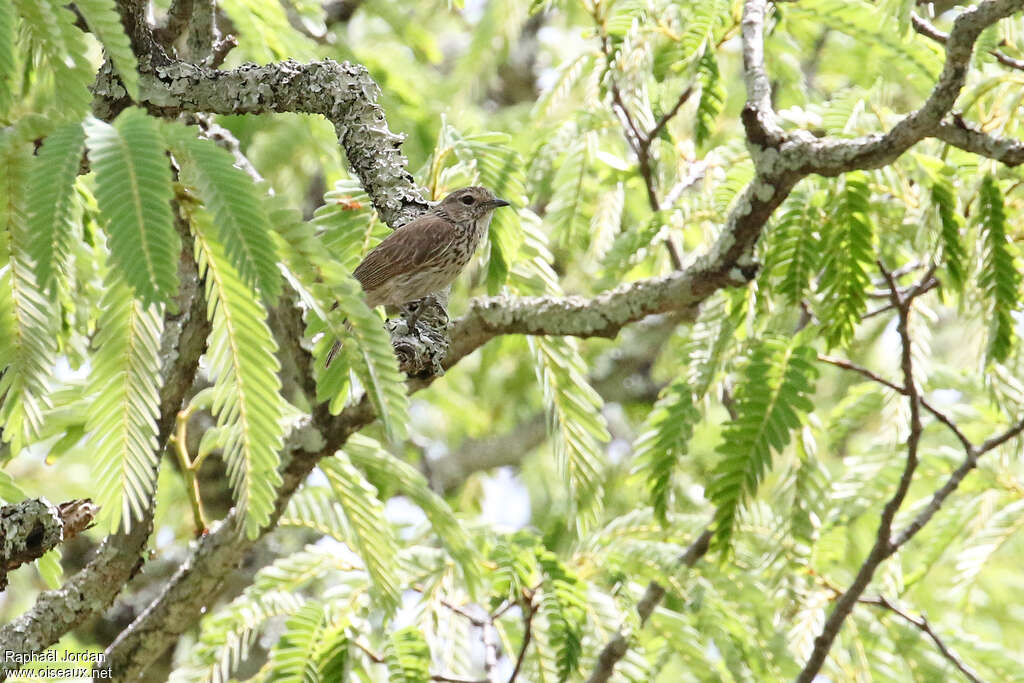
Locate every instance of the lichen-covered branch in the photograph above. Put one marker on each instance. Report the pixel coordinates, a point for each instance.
(832, 156)
(962, 136)
(32, 527)
(342, 93)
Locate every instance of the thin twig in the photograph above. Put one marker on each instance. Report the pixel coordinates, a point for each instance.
(927, 405)
(616, 648)
(640, 141)
(928, 30)
(883, 546)
(922, 624)
(527, 634)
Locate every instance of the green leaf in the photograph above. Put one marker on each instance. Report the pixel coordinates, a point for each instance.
(133, 191)
(559, 94)
(62, 51)
(105, 23)
(408, 656)
(333, 239)
(309, 633)
(630, 246)
(239, 213)
(382, 466)
(564, 603)
(9, 491)
(985, 542)
(371, 356)
(850, 255)
(8, 61)
(712, 96)
(953, 254)
(567, 208)
(794, 248)
(769, 400)
(575, 420)
(27, 320)
(919, 59)
(50, 569)
(606, 223)
(999, 278)
(247, 398)
(227, 636)
(368, 532)
(663, 439)
(51, 196)
(124, 380)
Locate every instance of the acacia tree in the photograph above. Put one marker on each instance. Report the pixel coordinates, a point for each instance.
(750, 330)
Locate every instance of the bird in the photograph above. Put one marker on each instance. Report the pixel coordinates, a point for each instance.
(427, 254)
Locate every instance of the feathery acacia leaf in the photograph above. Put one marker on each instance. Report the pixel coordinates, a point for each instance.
(564, 603)
(712, 96)
(850, 254)
(795, 249)
(133, 191)
(606, 223)
(566, 211)
(367, 454)
(371, 357)
(304, 252)
(105, 23)
(769, 401)
(918, 59)
(51, 199)
(247, 398)
(239, 214)
(27, 324)
(408, 657)
(309, 633)
(574, 418)
(8, 62)
(122, 415)
(61, 46)
(663, 438)
(228, 635)
(953, 253)
(368, 532)
(999, 279)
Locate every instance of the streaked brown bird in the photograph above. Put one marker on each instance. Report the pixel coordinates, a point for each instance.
(428, 253)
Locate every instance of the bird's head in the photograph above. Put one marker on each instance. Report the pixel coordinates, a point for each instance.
(470, 203)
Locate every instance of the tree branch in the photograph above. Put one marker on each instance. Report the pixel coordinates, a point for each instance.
(31, 528)
(343, 93)
(960, 135)
(831, 156)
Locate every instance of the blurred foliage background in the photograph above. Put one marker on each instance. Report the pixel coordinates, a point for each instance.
(547, 481)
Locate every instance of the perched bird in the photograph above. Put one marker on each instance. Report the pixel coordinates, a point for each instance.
(428, 253)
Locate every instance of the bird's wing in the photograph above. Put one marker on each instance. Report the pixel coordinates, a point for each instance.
(406, 249)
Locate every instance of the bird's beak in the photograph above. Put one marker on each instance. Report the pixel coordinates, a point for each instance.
(495, 203)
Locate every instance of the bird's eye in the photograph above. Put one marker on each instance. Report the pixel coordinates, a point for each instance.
(467, 200)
